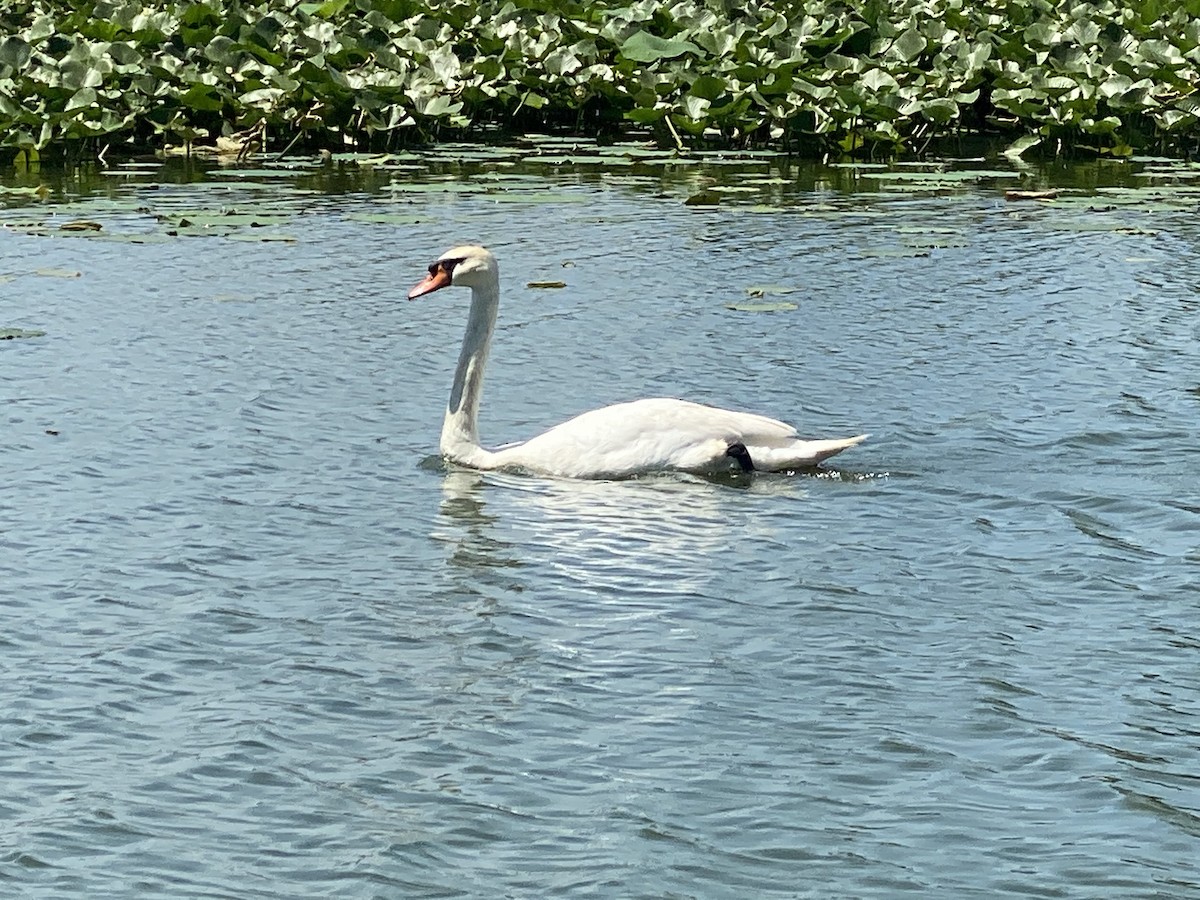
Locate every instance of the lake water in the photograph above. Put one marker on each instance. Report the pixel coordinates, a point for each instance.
(258, 642)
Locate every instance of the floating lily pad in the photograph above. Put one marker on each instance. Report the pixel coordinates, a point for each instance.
(438, 187)
(580, 160)
(735, 189)
(265, 238)
(780, 306)
(764, 290)
(32, 228)
(384, 218)
(80, 225)
(37, 191)
(232, 219)
(948, 177)
(545, 284)
(251, 174)
(894, 252)
(1031, 195)
(129, 237)
(534, 197)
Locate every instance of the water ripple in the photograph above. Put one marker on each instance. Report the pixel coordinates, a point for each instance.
(260, 642)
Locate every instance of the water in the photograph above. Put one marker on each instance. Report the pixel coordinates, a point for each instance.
(258, 643)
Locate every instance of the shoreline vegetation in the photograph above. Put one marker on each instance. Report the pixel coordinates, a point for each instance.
(829, 78)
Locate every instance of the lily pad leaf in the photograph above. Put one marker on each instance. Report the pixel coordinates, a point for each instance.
(1031, 195)
(14, 52)
(545, 284)
(641, 46)
(384, 218)
(12, 334)
(1021, 144)
(763, 290)
(780, 306)
(263, 238)
(910, 44)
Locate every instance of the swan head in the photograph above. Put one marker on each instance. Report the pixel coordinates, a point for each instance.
(468, 266)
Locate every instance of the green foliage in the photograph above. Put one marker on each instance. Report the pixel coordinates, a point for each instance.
(826, 74)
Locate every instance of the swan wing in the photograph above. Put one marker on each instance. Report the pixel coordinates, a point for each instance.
(663, 434)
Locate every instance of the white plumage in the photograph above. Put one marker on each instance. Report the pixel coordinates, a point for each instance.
(653, 435)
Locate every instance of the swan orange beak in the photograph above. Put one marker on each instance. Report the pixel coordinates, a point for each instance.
(438, 278)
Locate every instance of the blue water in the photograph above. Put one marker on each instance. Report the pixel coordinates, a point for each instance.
(258, 642)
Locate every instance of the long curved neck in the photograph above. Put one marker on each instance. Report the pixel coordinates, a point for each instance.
(460, 430)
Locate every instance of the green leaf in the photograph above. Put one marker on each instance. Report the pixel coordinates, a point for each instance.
(644, 47)
(780, 306)
(708, 87)
(202, 97)
(82, 98)
(1042, 34)
(877, 81)
(695, 107)
(910, 45)
(1022, 144)
(14, 52)
(9, 334)
(645, 115)
(1163, 53)
(940, 111)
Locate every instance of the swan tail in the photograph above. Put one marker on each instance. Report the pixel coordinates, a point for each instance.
(800, 454)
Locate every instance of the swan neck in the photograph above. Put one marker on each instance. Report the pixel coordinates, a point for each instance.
(460, 431)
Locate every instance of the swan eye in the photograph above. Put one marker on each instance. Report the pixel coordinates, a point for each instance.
(444, 265)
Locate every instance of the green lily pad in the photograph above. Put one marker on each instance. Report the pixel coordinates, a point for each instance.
(128, 237)
(437, 187)
(384, 218)
(781, 306)
(644, 47)
(545, 284)
(12, 334)
(948, 177)
(251, 174)
(893, 252)
(203, 219)
(27, 227)
(764, 290)
(534, 197)
(263, 238)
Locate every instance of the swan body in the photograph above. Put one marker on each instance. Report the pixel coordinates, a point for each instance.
(652, 435)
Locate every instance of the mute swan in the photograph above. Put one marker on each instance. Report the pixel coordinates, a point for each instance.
(653, 435)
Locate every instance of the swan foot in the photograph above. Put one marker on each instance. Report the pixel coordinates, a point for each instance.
(739, 452)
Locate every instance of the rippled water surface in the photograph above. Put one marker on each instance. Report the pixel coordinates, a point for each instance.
(258, 642)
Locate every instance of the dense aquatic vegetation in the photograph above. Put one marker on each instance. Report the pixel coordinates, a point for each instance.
(849, 76)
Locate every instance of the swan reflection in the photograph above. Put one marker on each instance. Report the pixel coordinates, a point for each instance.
(646, 537)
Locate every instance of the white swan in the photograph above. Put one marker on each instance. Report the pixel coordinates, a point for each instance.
(653, 435)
